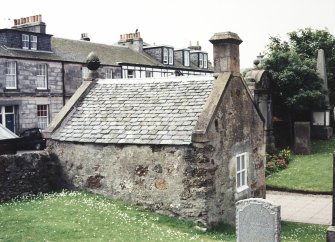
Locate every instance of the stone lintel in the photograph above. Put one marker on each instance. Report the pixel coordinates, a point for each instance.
(199, 133)
(58, 119)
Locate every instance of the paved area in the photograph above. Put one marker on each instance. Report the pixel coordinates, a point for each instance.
(303, 208)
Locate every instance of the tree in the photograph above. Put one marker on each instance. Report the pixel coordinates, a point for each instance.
(296, 86)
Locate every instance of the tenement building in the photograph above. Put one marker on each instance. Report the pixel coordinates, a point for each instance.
(40, 72)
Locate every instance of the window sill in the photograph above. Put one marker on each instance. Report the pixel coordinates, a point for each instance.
(241, 189)
(11, 90)
(242, 193)
(42, 90)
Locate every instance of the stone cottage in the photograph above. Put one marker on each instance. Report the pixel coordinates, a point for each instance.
(184, 146)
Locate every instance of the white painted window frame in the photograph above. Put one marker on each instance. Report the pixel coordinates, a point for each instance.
(11, 79)
(33, 42)
(42, 116)
(186, 58)
(205, 61)
(25, 41)
(109, 73)
(165, 56)
(42, 80)
(170, 56)
(242, 164)
(201, 60)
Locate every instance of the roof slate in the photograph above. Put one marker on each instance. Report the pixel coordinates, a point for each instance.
(147, 111)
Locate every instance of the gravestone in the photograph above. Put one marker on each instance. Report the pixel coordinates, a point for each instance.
(257, 220)
(302, 138)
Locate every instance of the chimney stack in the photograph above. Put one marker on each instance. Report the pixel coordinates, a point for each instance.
(84, 36)
(226, 52)
(132, 40)
(30, 24)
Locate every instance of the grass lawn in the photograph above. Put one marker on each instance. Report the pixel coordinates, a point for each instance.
(77, 216)
(309, 173)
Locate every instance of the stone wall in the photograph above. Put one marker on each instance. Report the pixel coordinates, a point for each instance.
(236, 128)
(173, 180)
(29, 173)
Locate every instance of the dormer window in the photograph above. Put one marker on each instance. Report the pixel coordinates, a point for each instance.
(25, 41)
(186, 58)
(29, 42)
(167, 56)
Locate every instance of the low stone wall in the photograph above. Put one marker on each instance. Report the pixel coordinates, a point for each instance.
(29, 173)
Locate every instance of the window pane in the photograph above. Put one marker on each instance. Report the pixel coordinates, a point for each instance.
(238, 182)
(11, 74)
(41, 81)
(186, 58)
(109, 73)
(243, 162)
(201, 58)
(33, 39)
(171, 56)
(238, 164)
(9, 109)
(25, 41)
(42, 116)
(165, 56)
(243, 178)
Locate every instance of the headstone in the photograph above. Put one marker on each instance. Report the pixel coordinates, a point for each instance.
(302, 138)
(257, 220)
(321, 67)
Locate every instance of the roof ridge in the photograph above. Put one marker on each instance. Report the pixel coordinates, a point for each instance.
(156, 80)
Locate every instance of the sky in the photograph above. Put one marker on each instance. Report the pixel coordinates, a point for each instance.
(177, 22)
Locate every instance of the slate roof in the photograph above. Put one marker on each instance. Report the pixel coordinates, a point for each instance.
(138, 111)
(78, 50)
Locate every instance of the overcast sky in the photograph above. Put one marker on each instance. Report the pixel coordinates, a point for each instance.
(177, 22)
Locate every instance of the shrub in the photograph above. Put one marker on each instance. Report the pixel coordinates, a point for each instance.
(277, 160)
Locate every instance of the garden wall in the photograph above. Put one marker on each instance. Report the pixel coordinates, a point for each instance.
(29, 173)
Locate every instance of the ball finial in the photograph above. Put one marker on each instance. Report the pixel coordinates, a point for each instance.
(256, 62)
(93, 62)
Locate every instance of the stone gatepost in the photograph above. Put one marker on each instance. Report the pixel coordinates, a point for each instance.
(257, 220)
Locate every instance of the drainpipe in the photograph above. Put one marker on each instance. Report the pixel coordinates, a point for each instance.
(63, 83)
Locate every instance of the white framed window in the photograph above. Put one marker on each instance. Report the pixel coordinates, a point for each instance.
(242, 171)
(33, 42)
(170, 56)
(205, 61)
(42, 116)
(25, 41)
(186, 58)
(201, 60)
(130, 73)
(109, 73)
(41, 76)
(165, 56)
(11, 75)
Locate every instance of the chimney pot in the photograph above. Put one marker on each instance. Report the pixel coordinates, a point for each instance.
(226, 52)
